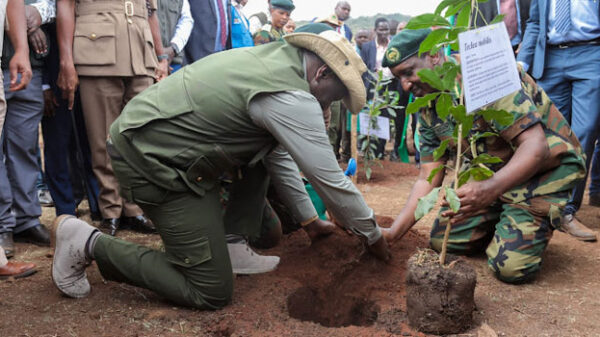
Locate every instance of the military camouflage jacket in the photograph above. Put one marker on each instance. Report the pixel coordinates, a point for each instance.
(529, 106)
(268, 33)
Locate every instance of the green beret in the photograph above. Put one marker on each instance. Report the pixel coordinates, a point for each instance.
(404, 45)
(315, 28)
(286, 5)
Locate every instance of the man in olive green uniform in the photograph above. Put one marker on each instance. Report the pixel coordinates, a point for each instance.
(173, 142)
(273, 31)
(514, 212)
(110, 48)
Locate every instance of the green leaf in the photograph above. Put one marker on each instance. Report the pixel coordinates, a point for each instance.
(459, 113)
(432, 40)
(434, 172)
(478, 136)
(462, 20)
(502, 117)
(426, 21)
(426, 203)
(391, 112)
(447, 3)
(467, 124)
(455, 8)
(463, 178)
(431, 77)
(443, 105)
(497, 19)
(363, 146)
(449, 80)
(481, 173)
(452, 199)
(485, 158)
(441, 150)
(420, 102)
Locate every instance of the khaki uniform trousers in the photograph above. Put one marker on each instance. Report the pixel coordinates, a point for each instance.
(103, 99)
(194, 269)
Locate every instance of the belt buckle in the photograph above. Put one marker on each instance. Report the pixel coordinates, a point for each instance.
(563, 46)
(128, 8)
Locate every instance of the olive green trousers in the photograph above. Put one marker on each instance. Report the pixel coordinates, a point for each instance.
(194, 269)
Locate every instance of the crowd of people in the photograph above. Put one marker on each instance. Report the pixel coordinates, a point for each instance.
(193, 157)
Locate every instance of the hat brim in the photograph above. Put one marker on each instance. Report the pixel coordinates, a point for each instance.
(348, 66)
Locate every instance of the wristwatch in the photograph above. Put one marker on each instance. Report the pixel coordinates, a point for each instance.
(163, 57)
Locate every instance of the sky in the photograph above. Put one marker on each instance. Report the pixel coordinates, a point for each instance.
(308, 9)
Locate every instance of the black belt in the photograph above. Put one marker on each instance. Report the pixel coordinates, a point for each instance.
(576, 43)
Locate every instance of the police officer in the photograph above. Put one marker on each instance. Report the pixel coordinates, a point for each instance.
(172, 143)
(511, 215)
(110, 49)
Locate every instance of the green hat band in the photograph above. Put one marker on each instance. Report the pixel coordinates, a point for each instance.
(404, 45)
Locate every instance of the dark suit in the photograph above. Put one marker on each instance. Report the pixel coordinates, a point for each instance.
(489, 10)
(204, 33)
(368, 53)
(569, 75)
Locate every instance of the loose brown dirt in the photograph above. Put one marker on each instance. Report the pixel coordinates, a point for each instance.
(332, 288)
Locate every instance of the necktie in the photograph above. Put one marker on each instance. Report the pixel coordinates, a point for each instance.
(509, 9)
(563, 16)
(222, 20)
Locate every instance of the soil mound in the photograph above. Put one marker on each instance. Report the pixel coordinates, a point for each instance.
(440, 299)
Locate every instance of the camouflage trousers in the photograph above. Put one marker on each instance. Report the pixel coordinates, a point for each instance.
(514, 235)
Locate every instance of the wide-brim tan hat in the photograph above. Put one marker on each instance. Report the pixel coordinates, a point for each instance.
(337, 52)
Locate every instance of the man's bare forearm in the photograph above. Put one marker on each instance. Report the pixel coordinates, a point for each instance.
(406, 219)
(65, 25)
(17, 26)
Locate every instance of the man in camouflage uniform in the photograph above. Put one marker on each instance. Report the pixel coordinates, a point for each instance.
(513, 213)
(273, 31)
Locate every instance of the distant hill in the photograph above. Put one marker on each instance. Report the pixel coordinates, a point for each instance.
(367, 22)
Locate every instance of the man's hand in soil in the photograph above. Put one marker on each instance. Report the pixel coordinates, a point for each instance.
(380, 249)
(318, 229)
(474, 197)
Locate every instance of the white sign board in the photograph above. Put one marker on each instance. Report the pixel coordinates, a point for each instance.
(382, 130)
(489, 69)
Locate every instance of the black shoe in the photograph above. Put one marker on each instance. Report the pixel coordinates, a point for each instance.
(38, 235)
(111, 225)
(6, 241)
(138, 223)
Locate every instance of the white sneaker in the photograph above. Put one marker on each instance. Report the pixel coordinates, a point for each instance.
(245, 261)
(69, 237)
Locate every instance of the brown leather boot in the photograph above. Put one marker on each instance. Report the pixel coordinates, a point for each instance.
(576, 229)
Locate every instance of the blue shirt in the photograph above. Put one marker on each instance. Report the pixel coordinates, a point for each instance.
(218, 46)
(585, 22)
(519, 36)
